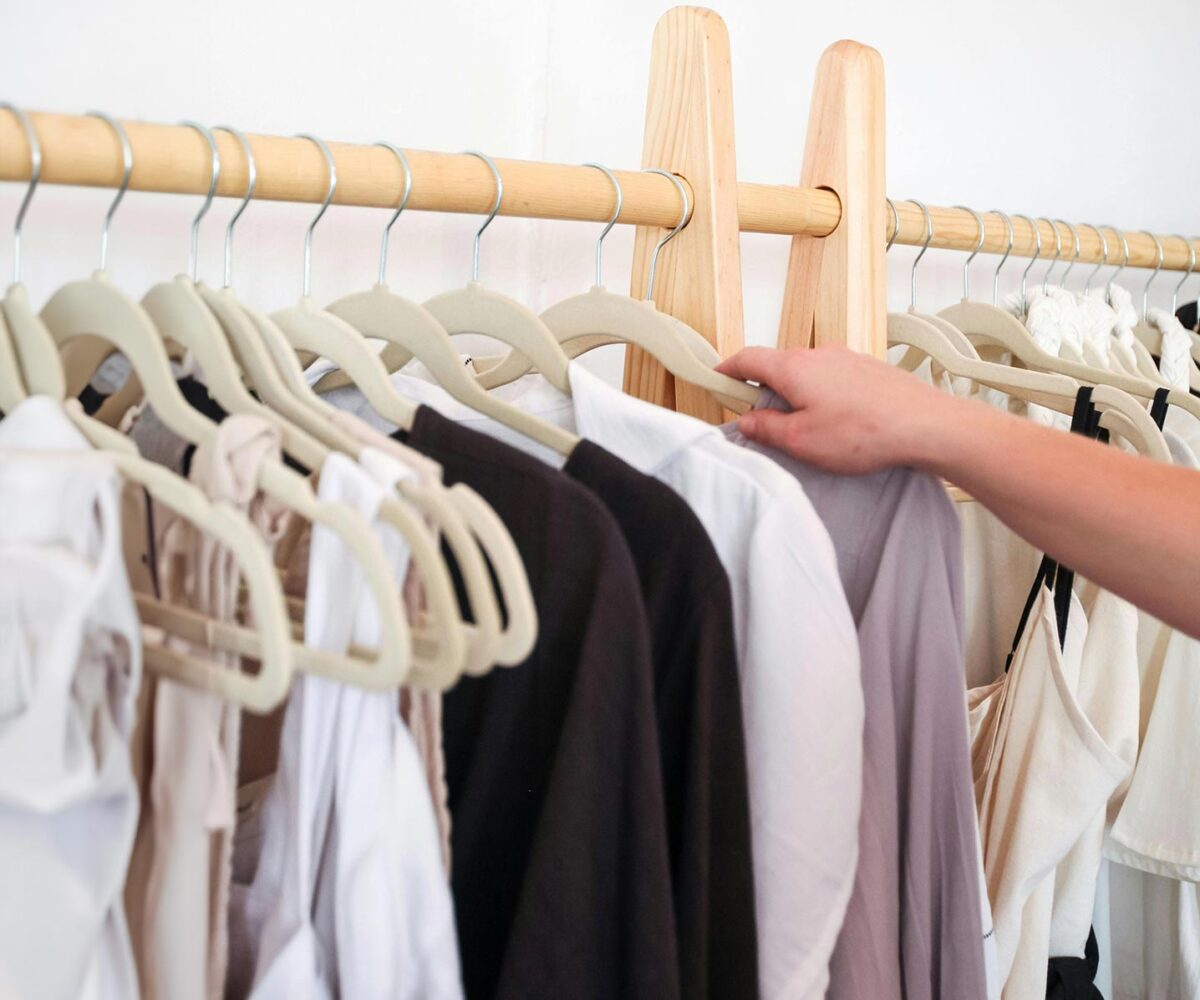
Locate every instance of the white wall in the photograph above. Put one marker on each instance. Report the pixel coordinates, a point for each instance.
(1087, 110)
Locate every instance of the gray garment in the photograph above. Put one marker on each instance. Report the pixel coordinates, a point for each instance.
(913, 928)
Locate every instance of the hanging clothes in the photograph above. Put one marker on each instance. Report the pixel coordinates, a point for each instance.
(177, 893)
(557, 893)
(348, 896)
(685, 593)
(1043, 772)
(70, 663)
(913, 928)
(804, 774)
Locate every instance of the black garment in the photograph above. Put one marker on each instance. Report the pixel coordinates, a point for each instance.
(196, 393)
(1075, 978)
(698, 701)
(561, 878)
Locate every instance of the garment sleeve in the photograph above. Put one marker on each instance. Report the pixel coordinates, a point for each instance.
(803, 711)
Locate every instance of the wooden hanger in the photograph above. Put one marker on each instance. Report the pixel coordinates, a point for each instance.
(598, 317)
(476, 309)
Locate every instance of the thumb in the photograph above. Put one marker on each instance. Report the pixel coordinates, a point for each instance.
(770, 427)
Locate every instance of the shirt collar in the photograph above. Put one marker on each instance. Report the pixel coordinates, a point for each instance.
(642, 434)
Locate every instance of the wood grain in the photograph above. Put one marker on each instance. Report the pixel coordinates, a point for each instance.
(689, 131)
(836, 289)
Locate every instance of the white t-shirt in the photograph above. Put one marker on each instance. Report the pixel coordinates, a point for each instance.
(350, 897)
(797, 648)
(70, 665)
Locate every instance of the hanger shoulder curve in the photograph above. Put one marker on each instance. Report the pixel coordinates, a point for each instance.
(311, 329)
(476, 309)
(382, 315)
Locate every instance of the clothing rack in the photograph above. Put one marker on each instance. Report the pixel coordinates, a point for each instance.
(837, 216)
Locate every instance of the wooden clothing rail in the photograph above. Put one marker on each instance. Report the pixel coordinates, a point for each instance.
(837, 216)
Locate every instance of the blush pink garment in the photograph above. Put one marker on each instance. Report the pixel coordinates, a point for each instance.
(179, 882)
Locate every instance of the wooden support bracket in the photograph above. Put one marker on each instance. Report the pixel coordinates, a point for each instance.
(689, 131)
(836, 288)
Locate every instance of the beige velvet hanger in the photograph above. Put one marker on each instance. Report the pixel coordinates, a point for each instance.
(598, 317)
(181, 316)
(415, 332)
(476, 309)
(96, 308)
(440, 650)
(949, 346)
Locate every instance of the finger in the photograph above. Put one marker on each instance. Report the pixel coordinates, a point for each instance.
(770, 427)
(754, 364)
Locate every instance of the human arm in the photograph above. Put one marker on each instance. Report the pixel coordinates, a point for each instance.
(1129, 524)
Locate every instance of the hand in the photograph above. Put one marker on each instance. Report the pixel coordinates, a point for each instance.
(852, 413)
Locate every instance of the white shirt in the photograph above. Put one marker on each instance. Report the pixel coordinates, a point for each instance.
(350, 898)
(70, 665)
(797, 649)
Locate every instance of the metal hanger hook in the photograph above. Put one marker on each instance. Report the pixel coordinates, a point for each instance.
(684, 218)
(1062, 282)
(1113, 277)
(1153, 274)
(308, 233)
(491, 215)
(1037, 235)
(1008, 226)
(895, 224)
(35, 175)
(912, 277)
(251, 183)
(1057, 252)
(400, 207)
(1103, 259)
(975, 252)
(194, 241)
(612, 220)
(127, 169)
(1191, 267)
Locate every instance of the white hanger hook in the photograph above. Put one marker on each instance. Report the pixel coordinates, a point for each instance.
(912, 278)
(1191, 267)
(1103, 258)
(251, 182)
(684, 218)
(127, 162)
(35, 175)
(612, 221)
(215, 176)
(491, 165)
(1012, 238)
(400, 207)
(975, 252)
(308, 233)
